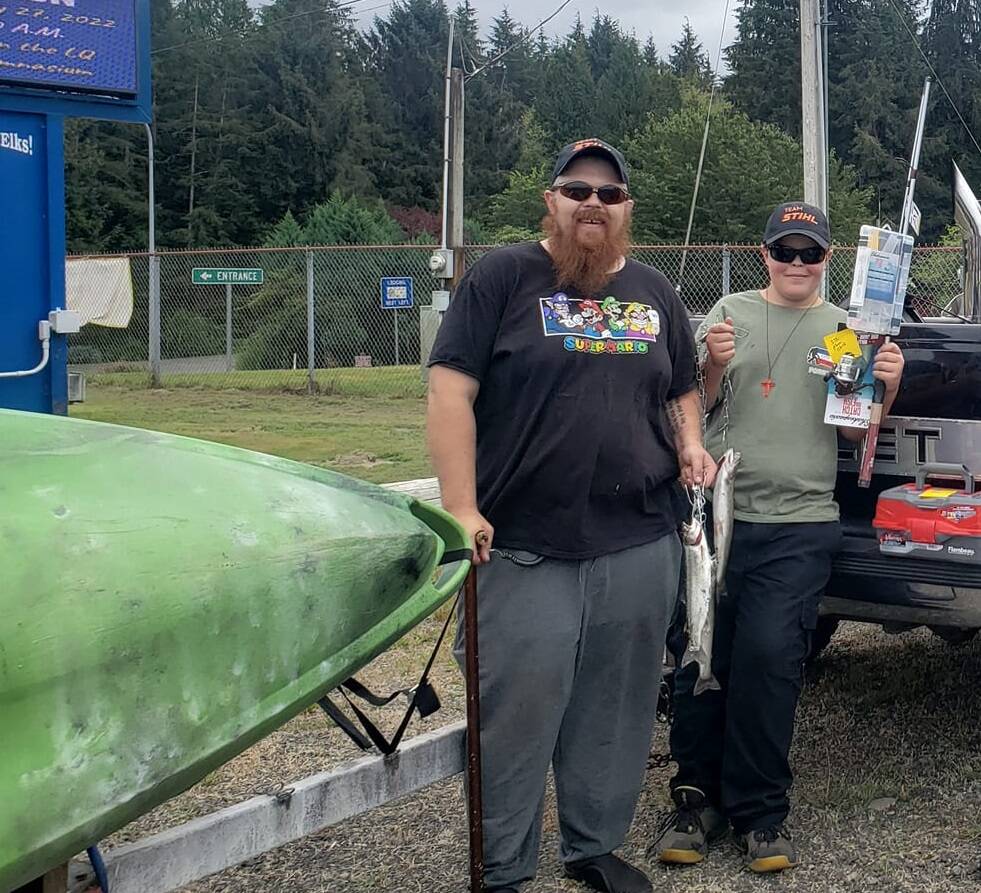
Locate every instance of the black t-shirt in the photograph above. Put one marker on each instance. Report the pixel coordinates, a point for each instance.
(574, 455)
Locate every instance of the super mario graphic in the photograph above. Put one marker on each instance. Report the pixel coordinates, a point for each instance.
(613, 310)
(642, 320)
(610, 327)
(558, 315)
(594, 324)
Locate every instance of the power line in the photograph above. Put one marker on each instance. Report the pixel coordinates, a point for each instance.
(517, 43)
(936, 76)
(274, 24)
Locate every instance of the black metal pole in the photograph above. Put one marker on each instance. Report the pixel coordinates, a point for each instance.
(474, 796)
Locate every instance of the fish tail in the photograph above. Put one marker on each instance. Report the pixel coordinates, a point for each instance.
(709, 683)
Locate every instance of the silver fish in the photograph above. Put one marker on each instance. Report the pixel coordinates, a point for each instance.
(722, 497)
(700, 597)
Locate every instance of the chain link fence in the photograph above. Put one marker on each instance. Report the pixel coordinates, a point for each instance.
(312, 319)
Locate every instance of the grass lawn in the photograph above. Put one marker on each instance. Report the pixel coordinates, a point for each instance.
(369, 425)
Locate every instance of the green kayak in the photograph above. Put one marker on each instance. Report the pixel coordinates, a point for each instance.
(166, 603)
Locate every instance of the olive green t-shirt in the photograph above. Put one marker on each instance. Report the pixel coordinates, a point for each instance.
(789, 455)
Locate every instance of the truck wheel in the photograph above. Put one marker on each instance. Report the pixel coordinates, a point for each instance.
(954, 635)
(821, 636)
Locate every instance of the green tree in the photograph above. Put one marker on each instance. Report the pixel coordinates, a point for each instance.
(518, 210)
(764, 63)
(105, 187)
(408, 56)
(688, 60)
(874, 89)
(308, 108)
(345, 288)
(952, 41)
(516, 72)
(740, 152)
(566, 101)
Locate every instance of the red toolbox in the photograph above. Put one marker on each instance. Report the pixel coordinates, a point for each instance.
(931, 520)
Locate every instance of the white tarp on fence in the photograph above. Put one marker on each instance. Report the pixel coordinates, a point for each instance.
(100, 290)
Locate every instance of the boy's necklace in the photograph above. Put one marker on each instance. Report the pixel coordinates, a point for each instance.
(768, 384)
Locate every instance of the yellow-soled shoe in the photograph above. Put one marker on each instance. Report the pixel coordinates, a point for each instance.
(768, 849)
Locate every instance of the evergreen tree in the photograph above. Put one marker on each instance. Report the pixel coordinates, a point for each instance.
(408, 55)
(312, 133)
(688, 60)
(749, 168)
(566, 102)
(764, 63)
(952, 41)
(516, 71)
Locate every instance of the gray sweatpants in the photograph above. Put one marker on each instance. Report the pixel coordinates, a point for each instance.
(570, 666)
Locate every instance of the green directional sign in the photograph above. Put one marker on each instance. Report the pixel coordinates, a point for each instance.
(226, 276)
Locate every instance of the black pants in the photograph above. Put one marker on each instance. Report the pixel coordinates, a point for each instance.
(734, 744)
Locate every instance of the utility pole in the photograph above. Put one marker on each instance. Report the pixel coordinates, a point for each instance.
(448, 261)
(813, 131)
(455, 229)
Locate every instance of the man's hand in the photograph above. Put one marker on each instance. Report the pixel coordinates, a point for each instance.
(888, 366)
(720, 342)
(480, 533)
(698, 468)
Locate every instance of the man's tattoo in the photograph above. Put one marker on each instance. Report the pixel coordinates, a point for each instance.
(676, 415)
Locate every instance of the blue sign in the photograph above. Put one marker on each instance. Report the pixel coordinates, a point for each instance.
(32, 257)
(396, 292)
(89, 46)
(76, 58)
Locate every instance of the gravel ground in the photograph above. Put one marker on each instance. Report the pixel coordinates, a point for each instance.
(887, 798)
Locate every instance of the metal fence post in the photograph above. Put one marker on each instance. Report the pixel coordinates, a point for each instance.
(229, 361)
(154, 320)
(311, 347)
(726, 270)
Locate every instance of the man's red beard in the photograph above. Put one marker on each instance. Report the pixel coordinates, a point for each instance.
(586, 266)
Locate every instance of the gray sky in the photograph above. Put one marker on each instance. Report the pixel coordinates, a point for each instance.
(661, 18)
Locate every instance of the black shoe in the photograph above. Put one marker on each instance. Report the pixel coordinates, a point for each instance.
(769, 849)
(610, 874)
(685, 836)
(500, 890)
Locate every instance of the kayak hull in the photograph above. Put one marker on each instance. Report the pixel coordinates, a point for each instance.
(167, 603)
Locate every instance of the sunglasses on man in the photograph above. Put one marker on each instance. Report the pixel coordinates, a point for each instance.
(579, 192)
(785, 254)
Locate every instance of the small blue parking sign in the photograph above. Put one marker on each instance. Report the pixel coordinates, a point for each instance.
(396, 292)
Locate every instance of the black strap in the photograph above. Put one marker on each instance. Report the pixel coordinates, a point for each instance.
(366, 694)
(345, 725)
(422, 698)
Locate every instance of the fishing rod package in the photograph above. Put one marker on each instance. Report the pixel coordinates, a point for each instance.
(875, 311)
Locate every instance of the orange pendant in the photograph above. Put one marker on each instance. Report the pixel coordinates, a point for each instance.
(767, 385)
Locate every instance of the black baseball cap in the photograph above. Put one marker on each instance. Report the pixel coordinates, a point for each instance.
(800, 219)
(587, 147)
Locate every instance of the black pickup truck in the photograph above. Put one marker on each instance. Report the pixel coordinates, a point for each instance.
(936, 419)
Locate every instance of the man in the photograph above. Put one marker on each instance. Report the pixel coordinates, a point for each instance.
(732, 746)
(563, 445)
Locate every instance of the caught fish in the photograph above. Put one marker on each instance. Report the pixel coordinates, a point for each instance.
(722, 497)
(700, 597)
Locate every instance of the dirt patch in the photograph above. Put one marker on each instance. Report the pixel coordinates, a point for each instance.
(358, 459)
(887, 798)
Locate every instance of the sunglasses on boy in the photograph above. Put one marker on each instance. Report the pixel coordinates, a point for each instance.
(579, 192)
(785, 254)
